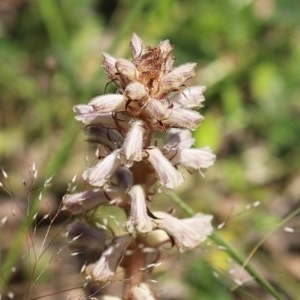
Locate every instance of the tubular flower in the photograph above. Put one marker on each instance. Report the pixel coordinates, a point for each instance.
(187, 233)
(101, 173)
(134, 141)
(177, 149)
(105, 268)
(166, 172)
(138, 214)
(80, 203)
(143, 133)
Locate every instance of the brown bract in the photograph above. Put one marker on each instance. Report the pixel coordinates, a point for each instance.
(151, 66)
(147, 80)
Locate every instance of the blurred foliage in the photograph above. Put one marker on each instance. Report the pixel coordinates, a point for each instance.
(206, 285)
(248, 55)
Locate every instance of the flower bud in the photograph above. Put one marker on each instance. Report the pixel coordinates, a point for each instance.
(88, 240)
(104, 136)
(109, 64)
(123, 178)
(136, 91)
(166, 50)
(136, 45)
(127, 69)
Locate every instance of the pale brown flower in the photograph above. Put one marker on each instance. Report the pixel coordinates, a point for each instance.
(134, 142)
(80, 203)
(187, 233)
(105, 268)
(100, 174)
(190, 97)
(169, 177)
(139, 218)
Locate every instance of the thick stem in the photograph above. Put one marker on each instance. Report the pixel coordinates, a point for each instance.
(148, 137)
(135, 272)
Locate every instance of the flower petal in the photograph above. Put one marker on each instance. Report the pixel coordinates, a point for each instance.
(179, 138)
(195, 159)
(187, 233)
(136, 45)
(82, 202)
(166, 50)
(82, 109)
(138, 210)
(173, 80)
(191, 97)
(101, 173)
(88, 116)
(133, 144)
(183, 118)
(105, 268)
(167, 174)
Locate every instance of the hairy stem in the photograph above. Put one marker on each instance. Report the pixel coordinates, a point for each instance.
(135, 270)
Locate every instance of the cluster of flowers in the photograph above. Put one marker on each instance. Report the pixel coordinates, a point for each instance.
(151, 103)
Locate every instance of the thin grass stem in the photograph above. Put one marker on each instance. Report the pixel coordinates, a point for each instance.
(232, 252)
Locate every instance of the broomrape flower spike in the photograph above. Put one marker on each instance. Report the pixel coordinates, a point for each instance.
(152, 102)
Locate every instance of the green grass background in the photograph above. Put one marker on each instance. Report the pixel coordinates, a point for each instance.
(248, 55)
